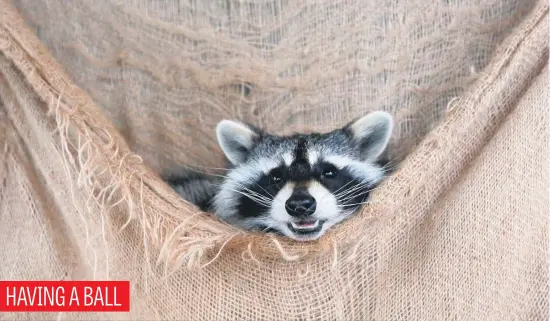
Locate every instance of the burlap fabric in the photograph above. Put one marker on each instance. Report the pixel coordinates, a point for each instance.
(459, 232)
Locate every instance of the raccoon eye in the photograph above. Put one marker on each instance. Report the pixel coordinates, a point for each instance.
(330, 171)
(276, 175)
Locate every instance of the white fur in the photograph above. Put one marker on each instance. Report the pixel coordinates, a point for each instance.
(375, 122)
(287, 157)
(313, 156)
(231, 134)
(326, 202)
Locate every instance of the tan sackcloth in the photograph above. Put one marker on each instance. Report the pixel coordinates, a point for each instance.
(460, 232)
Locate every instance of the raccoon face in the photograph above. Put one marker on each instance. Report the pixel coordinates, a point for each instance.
(303, 184)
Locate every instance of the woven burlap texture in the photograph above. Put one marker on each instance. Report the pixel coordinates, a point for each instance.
(97, 98)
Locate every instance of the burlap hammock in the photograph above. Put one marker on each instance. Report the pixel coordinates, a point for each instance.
(459, 232)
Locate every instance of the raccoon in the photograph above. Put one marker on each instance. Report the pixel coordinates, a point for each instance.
(299, 185)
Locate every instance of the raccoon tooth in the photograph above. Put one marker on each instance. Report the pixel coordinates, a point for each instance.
(308, 225)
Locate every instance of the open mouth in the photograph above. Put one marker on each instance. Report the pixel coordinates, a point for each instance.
(306, 227)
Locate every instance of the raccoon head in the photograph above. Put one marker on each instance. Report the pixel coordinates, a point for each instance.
(303, 184)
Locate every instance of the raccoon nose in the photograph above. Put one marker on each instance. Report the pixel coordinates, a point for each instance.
(301, 204)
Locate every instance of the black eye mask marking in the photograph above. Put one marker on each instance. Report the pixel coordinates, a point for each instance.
(261, 193)
(328, 171)
(277, 175)
(348, 190)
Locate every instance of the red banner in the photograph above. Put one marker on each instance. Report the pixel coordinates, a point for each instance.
(64, 296)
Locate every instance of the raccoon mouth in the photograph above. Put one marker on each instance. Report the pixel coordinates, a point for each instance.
(306, 227)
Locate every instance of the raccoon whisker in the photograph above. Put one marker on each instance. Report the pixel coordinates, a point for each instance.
(336, 191)
(358, 204)
(245, 174)
(259, 202)
(258, 195)
(259, 223)
(356, 193)
(252, 197)
(258, 198)
(251, 191)
(265, 190)
(389, 161)
(346, 195)
(389, 166)
(206, 173)
(356, 184)
(351, 190)
(351, 197)
(206, 167)
(213, 175)
(270, 226)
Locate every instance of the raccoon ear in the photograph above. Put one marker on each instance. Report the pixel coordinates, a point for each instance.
(235, 139)
(372, 132)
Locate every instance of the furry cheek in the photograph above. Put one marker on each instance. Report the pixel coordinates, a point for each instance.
(225, 202)
(327, 205)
